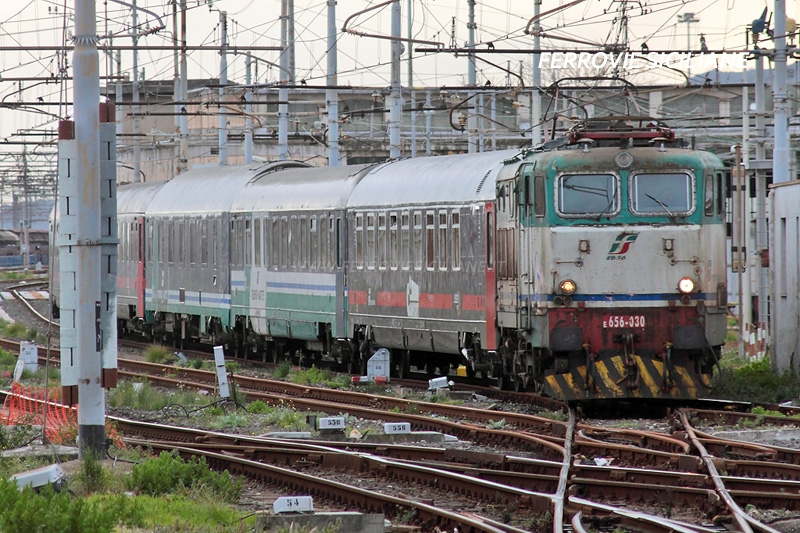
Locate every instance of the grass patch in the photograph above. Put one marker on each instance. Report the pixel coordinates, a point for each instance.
(754, 382)
(315, 376)
(159, 355)
(144, 397)
(191, 512)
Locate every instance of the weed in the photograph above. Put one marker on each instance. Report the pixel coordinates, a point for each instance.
(259, 407)
(168, 474)
(554, 415)
(143, 396)
(92, 477)
(232, 420)
(158, 355)
(283, 370)
(755, 382)
(7, 359)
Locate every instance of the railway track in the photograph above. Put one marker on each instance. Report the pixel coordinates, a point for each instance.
(578, 473)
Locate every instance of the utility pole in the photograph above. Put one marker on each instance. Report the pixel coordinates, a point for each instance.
(688, 18)
(395, 96)
(283, 92)
(248, 110)
(137, 110)
(84, 219)
(536, 119)
(471, 78)
(184, 92)
(223, 81)
(331, 94)
(780, 156)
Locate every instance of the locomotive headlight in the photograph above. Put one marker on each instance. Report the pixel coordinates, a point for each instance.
(686, 285)
(567, 287)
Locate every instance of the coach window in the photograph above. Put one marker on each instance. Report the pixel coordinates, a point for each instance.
(455, 239)
(442, 259)
(393, 244)
(303, 257)
(213, 242)
(660, 194)
(149, 244)
(370, 241)
(257, 241)
(416, 249)
(360, 241)
(192, 251)
(284, 240)
(382, 241)
(170, 242)
(405, 238)
(294, 241)
(322, 233)
(587, 194)
(248, 242)
(339, 235)
(313, 243)
(430, 249)
(204, 242)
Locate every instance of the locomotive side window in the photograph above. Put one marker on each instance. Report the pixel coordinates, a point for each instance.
(455, 239)
(430, 256)
(538, 196)
(359, 241)
(442, 240)
(149, 246)
(405, 241)
(661, 194)
(170, 242)
(490, 240)
(708, 196)
(338, 236)
(416, 253)
(587, 194)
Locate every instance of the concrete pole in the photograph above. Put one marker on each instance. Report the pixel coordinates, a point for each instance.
(780, 156)
(176, 87)
(248, 109)
(290, 34)
(494, 122)
(137, 121)
(410, 54)
(536, 119)
(331, 94)
(86, 97)
(283, 92)
(413, 123)
(395, 96)
(428, 114)
(762, 236)
(471, 78)
(184, 122)
(119, 94)
(223, 81)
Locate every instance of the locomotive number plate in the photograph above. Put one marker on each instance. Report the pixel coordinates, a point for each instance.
(623, 321)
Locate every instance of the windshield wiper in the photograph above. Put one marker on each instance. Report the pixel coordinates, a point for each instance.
(662, 204)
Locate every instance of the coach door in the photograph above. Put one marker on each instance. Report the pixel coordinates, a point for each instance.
(140, 266)
(507, 247)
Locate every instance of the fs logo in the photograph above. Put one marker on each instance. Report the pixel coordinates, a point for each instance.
(620, 246)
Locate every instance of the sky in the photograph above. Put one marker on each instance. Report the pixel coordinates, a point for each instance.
(363, 61)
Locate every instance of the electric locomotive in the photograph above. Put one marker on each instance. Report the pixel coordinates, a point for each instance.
(611, 266)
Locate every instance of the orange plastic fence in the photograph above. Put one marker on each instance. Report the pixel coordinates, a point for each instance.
(29, 405)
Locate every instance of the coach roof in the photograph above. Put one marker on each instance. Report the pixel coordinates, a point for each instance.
(431, 180)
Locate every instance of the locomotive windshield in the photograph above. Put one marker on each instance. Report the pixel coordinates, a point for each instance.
(587, 194)
(661, 194)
